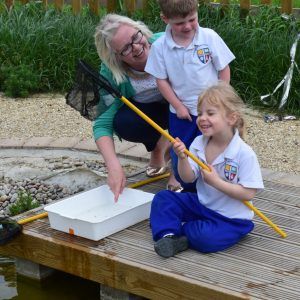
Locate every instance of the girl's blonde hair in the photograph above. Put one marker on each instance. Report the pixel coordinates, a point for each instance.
(105, 32)
(225, 97)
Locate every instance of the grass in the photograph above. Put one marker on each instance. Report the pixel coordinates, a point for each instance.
(261, 44)
(47, 43)
(39, 49)
(295, 3)
(23, 203)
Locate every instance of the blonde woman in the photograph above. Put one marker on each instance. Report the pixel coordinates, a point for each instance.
(123, 46)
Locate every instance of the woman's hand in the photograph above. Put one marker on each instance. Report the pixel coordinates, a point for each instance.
(116, 179)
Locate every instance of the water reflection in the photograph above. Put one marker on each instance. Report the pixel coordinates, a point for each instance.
(60, 286)
(8, 279)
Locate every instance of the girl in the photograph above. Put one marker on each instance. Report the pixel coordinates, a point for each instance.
(215, 218)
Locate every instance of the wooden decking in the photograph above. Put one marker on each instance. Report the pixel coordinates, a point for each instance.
(262, 266)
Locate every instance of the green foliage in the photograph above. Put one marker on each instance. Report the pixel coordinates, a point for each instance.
(152, 17)
(48, 43)
(295, 3)
(24, 203)
(261, 43)
(18, 81)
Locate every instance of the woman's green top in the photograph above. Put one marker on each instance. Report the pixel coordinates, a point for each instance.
(103, 125)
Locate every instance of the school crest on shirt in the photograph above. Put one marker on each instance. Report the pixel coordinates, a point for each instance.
(230, 170)
(203, 54)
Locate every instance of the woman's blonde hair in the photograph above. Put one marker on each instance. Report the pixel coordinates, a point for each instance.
(105, 31)
(224, 96)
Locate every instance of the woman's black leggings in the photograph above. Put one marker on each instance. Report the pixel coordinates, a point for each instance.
(131, 127)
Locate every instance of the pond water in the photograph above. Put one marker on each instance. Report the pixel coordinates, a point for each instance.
(59, 286)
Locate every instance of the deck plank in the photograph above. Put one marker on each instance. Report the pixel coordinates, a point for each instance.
(261, 266)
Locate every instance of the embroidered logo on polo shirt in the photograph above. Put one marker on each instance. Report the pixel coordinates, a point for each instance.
(203, 54)
(230, 170)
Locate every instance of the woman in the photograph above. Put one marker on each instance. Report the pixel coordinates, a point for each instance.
(123, 46)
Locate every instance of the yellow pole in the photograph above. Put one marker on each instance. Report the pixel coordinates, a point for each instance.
(267, 220)
(30, 219)
(146, 181)
(199, 162)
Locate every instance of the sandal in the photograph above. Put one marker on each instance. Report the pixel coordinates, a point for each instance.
(174, 188)
(153, 172)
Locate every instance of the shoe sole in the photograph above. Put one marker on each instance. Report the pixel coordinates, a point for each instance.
(168, 247)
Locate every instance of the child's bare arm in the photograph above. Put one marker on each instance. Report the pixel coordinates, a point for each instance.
(233, 190)
(184, 169)
(225, 74)
(168, 93)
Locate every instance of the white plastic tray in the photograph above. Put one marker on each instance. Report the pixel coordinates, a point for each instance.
(95, 215)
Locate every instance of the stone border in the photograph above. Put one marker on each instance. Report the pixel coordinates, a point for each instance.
(124, 149)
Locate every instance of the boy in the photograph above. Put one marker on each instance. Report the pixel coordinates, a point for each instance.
(185, 61)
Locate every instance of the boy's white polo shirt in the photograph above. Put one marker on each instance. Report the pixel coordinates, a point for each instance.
(238, 164)
(189, 70)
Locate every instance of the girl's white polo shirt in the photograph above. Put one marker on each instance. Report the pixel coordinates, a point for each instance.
(238, 164)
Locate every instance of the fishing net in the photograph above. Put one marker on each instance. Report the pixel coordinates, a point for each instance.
(8, 229)
(87, 95)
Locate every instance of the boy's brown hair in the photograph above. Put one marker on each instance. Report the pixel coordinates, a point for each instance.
(177, 8)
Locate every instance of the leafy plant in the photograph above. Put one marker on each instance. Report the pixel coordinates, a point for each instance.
(23, 203)
(49, 43)
(19, 81)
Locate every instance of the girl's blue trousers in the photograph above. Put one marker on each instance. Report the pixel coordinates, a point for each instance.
(205, 229)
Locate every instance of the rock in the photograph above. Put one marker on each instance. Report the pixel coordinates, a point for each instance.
(40, 192)
(3, 198)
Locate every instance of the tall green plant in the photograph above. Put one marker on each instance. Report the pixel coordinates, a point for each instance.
(261, 43)
(49, 41)
(49, 44)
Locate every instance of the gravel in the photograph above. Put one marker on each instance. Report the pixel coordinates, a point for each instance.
(41, 192)
(276, 144)
(49, 184)
(41, 115)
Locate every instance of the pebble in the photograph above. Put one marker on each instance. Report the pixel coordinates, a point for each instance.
(40, 191)
(10, 189)
(43, 192)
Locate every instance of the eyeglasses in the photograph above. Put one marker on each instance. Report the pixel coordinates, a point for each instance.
(135, 39)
